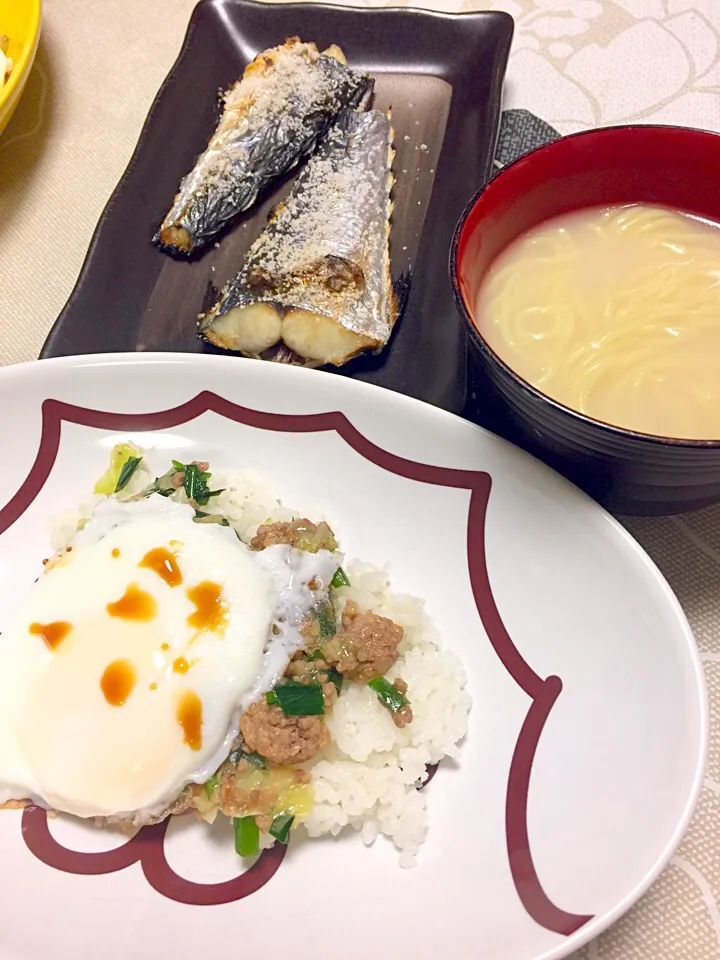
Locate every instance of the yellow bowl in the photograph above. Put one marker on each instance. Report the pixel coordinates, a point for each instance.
(20, 21)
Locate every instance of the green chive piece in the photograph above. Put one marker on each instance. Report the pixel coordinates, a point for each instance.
(317, 655)
(271, 698)
(280, 827)
(202, 517)
(388, 695)
(210, 786)
(325, 616)
(119, 456)
(247, 836)
(255, 760)
(340, 579)
(195, 486)
(299, 699)
(334, 676)
(128, 469)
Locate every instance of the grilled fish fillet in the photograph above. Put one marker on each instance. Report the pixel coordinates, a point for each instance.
(276, 114)
(315, 287)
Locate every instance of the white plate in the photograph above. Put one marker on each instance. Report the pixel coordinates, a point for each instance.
(620, 748)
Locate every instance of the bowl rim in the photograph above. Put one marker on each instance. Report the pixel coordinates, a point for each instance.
(609, 429)
(21, 68)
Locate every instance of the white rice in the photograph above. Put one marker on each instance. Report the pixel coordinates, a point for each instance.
(368, 777)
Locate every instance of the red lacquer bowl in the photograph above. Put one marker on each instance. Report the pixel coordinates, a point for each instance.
(628, 472)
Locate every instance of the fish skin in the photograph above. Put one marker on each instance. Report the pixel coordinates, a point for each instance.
(325, 249)
(253, 144)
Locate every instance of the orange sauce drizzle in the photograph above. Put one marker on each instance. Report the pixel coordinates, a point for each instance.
(189, 716)
(135, 604)
(211, 612)
(117, 682)
(52, 633)
(115, 552)
(164, 564)
(181, 665)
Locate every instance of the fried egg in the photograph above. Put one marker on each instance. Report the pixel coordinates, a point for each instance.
(124, 672)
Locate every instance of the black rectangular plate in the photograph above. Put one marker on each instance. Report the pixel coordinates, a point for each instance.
(441, 74)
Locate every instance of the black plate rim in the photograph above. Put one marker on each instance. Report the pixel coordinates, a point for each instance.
(504, 25)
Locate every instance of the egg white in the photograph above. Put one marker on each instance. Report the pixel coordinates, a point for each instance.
(62, 744)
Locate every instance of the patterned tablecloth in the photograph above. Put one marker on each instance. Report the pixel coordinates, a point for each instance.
(575, 64)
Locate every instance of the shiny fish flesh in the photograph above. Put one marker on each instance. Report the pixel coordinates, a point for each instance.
(315, 287)
(277, 113)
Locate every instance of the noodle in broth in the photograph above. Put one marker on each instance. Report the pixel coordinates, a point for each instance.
(615, 313)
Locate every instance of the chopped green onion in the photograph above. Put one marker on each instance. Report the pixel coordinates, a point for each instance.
(280, 827)
(109, 482)
(255, 760)
(271, 698)
(388, 695)
(195, 486)
(334, 676)
(325, 616)
(314, 538)
(340, 579)
(247, 836)
(317, 655)
(163, 485)
(298, 699)
(210, 785)
(201, 517)
(128, 469)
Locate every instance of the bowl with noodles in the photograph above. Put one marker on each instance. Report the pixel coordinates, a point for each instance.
(587, 275)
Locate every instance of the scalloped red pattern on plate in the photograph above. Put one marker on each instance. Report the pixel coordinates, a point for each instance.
(147, 846)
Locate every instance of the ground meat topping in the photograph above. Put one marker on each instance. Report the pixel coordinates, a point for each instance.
(330, 694)
(310, 631)
(307, 671)
(255, 793)
(403, 716)
(302, 534)
(235, 800)
(367, 645)
(282, 739)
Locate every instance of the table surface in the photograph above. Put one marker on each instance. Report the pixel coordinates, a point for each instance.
(575, 64)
